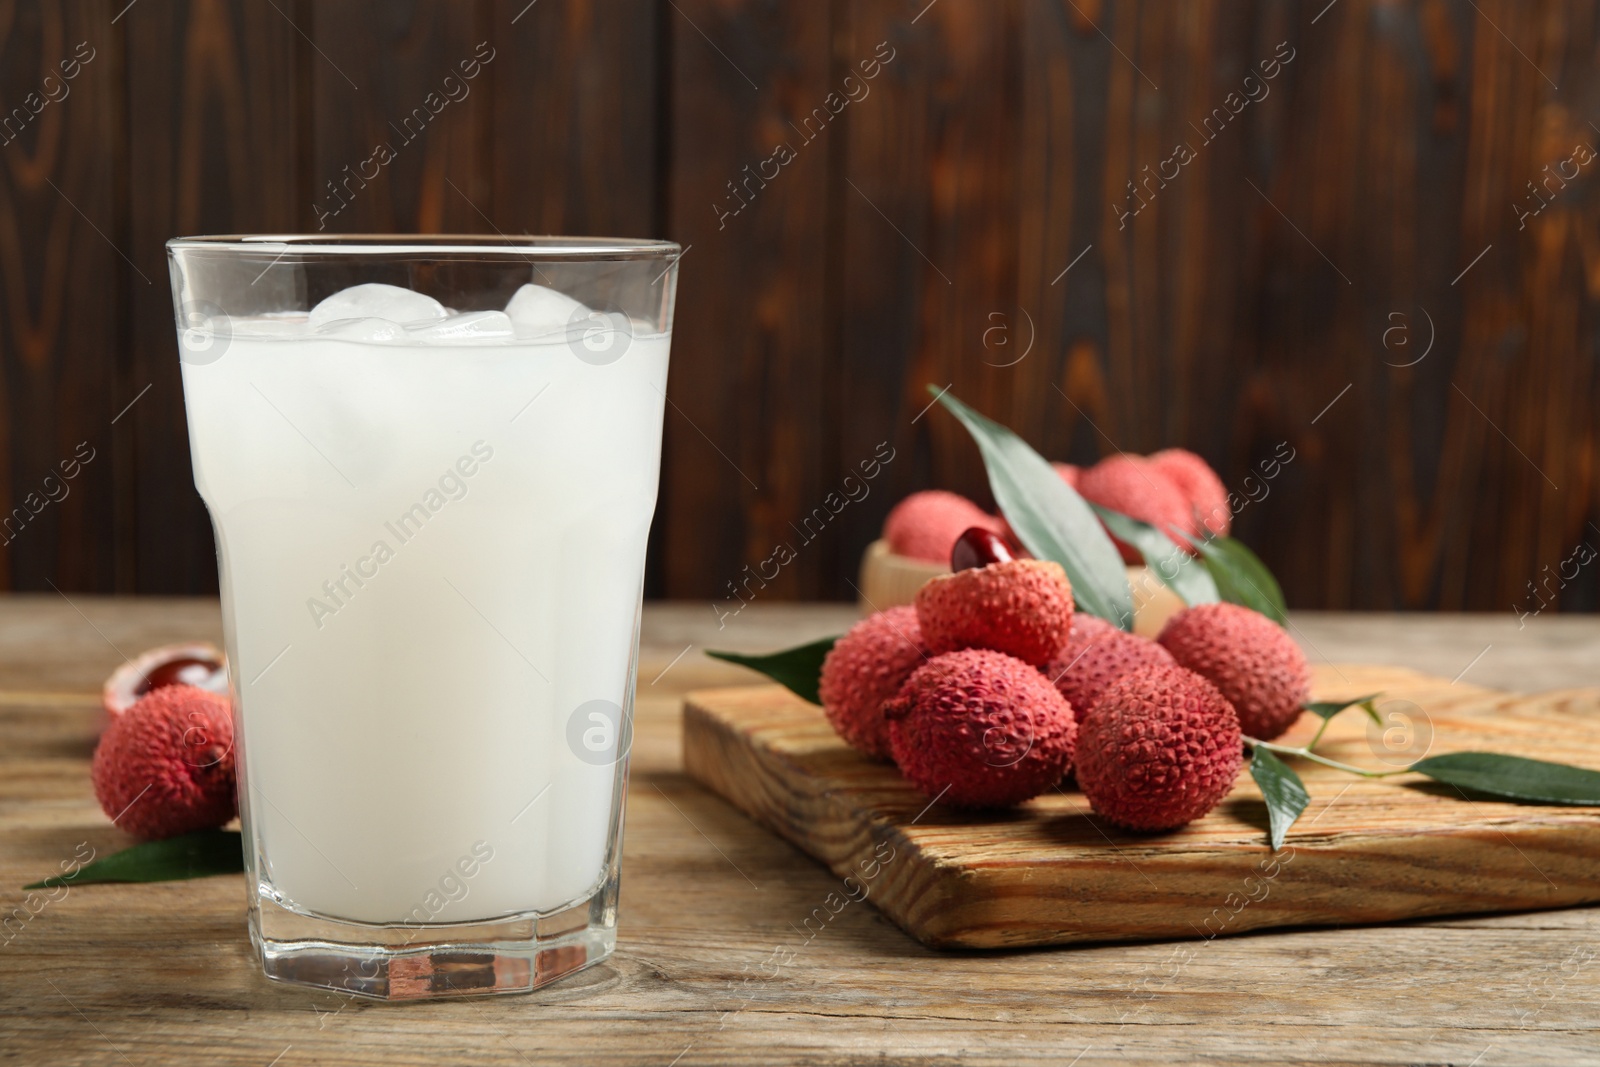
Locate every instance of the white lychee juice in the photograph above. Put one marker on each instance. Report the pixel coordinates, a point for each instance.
(431, 532)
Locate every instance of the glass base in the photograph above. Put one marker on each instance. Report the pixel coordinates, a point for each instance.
(426, 961)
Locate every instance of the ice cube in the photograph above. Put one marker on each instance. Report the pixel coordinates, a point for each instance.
(468, 326)
(378, 301)
(362, 329)
(537, 310)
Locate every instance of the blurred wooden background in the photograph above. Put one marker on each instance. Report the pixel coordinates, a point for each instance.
(957, 218)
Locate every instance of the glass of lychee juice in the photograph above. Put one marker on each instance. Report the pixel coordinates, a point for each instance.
(431, 465)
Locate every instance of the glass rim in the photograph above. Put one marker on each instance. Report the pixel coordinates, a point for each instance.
(433, 245)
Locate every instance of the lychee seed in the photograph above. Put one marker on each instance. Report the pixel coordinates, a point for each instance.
(978, 547)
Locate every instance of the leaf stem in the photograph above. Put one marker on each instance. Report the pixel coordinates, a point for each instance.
(1311, 744)
(1289, 750)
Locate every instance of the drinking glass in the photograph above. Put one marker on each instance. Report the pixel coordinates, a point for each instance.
(431, 465)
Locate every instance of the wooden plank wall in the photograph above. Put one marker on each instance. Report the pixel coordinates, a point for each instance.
(876, 195)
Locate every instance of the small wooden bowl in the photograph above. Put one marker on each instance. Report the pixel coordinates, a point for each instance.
(888, 581)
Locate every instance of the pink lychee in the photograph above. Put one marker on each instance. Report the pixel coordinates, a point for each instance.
(1199, 485)
(1133, 486)
(866, 667)
(925, 525)
(1248, 657)
(1161, 748)
(980, 729)
(1022, 607)
(165, 766)
(1095, 655)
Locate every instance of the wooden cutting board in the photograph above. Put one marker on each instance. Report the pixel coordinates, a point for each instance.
(1050, 872)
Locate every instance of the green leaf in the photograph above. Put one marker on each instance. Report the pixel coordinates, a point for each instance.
(195, 855)
(1514, 777)
(1051, 519)
(1241, 577)
(1282, 789)
(1329, 708)
(1176, 569)
(799, 668)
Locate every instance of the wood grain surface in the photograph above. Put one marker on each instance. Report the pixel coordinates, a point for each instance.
(215, 143)
(714, 963)
(62, 275)
(1051, 873)
(1342, 272)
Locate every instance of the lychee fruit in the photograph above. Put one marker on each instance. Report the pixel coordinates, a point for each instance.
(925, 525)
(980, 729)
(165, 766)
(1022, 607)
(1097, 654)
(864, 668)
(1248, 657)
(1161, 748)
(194, 663)
(1139, 490)
(1070, 473)
(1199, 485)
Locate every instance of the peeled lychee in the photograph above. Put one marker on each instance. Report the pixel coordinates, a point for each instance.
(1097, 654)
(1022, 607)
(1248, 658)
(1199, 485)
(980, 729)
(165, 766)
(866, 667)
(195, 663)
(1161, 748)
(925, 525)
(1139, 490)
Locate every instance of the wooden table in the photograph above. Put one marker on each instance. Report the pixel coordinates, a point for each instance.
(163, 974)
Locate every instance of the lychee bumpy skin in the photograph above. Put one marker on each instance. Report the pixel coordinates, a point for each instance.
(926, 524)
(1070, 473)
(1249, 658)
(1097, 654)
(1200, 486)
(1139, 490)
(1159, 749)
(1020, 607)
(165, 766)
(866, 667)
(980, 729)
